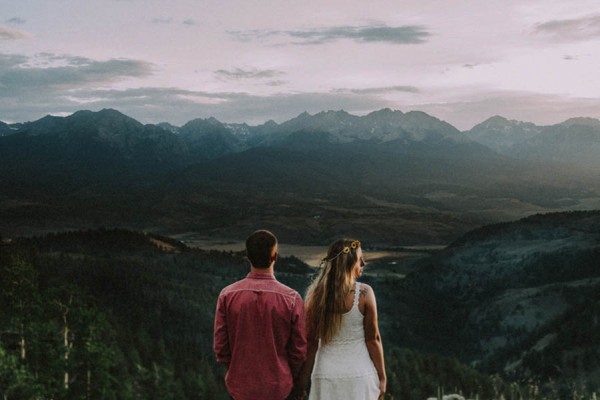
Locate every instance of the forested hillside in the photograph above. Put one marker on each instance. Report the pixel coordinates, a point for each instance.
(521, 299)
(114, 314)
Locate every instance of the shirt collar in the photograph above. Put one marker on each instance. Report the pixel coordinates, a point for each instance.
(259, 275)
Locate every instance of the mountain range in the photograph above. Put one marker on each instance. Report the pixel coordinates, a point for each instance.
(387, 176)
(575, 141)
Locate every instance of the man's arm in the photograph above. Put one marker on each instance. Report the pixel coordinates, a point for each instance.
(221, 337)
(297, 346)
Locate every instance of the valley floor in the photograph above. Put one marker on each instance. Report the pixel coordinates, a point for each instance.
(382, 262)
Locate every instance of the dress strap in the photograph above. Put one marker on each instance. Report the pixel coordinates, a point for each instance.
(356, 292)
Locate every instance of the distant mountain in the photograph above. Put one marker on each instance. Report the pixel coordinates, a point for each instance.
(378, 127)
(520, 298)
(5, 129)
(326, 121)
(575, 141)
(416, 126)
(169, 127)
(502, 135)
(86, 148)
(388, 176)
(240, 130)
(593, 122)
(209, 139)
(308, 186)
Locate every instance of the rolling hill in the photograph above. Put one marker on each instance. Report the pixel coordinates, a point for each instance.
(519, 298)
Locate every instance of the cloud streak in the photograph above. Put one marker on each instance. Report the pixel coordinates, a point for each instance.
(578, 29)
(11, 34)
(160, 21)
(408, 34)
(239, 73)
(380, 90)
(170, 21)
(20, 75)
(15, 21)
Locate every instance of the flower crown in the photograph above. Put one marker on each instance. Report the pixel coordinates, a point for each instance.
(354, 245)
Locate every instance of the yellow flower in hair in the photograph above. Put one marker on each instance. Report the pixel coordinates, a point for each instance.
(346, 250)
(355, 244)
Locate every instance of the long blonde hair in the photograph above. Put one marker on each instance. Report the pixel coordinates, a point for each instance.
(326, 296)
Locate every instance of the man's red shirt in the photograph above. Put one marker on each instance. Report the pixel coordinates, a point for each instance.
(259, 332)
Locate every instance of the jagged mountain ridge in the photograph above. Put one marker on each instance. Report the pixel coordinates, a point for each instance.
(5, 129)
(387, 168)
(385, 125)
(209, 139)
(108, 127)
(110, 140)
(379, 126)
(501, 134)
(86, 148)
(575, 141)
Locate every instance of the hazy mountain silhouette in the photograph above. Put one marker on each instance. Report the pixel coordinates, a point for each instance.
(5, 129)
(501, 135)
(377, 127)
(88, 143)
(208, 139)
(169, 127)
(575, 141)
(402, 176)
(593, 122)
(572, 143)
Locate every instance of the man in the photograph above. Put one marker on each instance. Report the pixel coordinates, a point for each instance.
(259, 328)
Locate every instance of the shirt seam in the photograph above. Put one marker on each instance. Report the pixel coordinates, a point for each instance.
(290, 296)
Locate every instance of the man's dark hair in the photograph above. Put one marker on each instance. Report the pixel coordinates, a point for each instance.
(259, 248)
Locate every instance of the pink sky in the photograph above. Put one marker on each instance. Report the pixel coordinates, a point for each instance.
(255, 60)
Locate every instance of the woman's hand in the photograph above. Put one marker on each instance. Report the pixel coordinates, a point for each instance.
(382, 387)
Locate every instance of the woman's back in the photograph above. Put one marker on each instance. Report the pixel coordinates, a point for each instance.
(352, 328)
(343, 367)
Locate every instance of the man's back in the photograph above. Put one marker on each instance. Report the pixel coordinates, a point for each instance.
(259, 333)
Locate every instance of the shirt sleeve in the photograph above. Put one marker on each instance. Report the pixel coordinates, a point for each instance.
(221, 338)
(297, 347)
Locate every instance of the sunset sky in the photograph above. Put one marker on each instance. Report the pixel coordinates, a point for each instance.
(462, 61)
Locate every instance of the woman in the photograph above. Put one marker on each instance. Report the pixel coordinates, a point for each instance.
(341, 322)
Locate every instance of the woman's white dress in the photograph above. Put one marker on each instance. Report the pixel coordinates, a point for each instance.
(343, 368)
